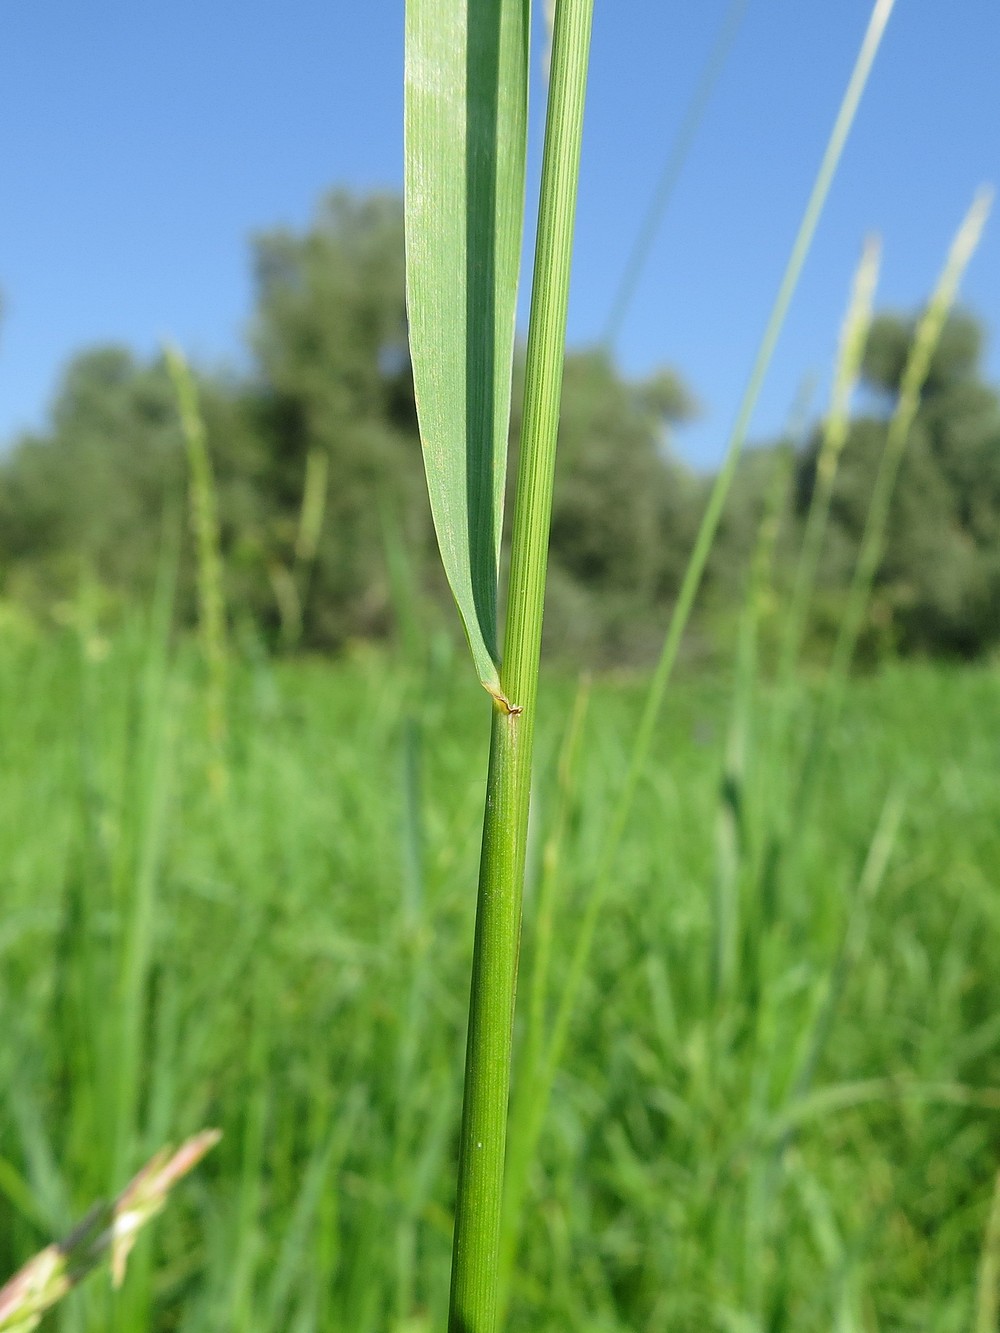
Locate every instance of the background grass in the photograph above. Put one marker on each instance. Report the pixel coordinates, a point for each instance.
(810, 1145)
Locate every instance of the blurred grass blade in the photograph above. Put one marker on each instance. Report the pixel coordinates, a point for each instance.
(705, 537)
(850, 351)
(926, 338)
(988, 1279)
(465, 132)
(313, 507)
(736, 782)
(677, 157)
(853, 338)
(205, 526)
(204, 512)
(925, 341)
(291, 1260)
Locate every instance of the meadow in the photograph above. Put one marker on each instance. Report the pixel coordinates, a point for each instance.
(778, 1105)
(755, 1059)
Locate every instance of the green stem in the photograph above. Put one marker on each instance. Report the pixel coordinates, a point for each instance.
(475, 1262)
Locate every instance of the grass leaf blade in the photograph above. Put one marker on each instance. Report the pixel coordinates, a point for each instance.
(465, 130)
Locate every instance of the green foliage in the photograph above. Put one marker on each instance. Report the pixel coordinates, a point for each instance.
(85, 498)
(292, 989)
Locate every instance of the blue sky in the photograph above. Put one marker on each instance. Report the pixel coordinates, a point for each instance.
(142, 145)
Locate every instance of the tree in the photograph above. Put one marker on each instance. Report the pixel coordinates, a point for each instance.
(334, 383)
(89, 496)
(331, 387)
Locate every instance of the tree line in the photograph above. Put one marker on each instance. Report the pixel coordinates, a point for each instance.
(324, 524)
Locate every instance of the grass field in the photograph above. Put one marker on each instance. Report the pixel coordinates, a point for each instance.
(779, 1106)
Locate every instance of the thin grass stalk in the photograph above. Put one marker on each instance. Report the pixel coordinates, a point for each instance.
(159, 1119)
(313, 509)
(153, 763)
(405, 600)
(134, 997)
(544, 923)
(531, 1055)
(244, 1234)
(988, 1277)
(924, 344)
(851, 345)
(672, 169)
(205, 527)
(290, 585)
(475, 1263)
(853, 338)
(706, 532)
(288, 602)
(869, 884)
(731, 822)
(416, 959)
(850, 350)
(925, 341)
(720, 491)
(415, 964)
(291, 588)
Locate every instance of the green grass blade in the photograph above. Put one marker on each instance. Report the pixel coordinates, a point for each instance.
(138, 926)
(465, 131)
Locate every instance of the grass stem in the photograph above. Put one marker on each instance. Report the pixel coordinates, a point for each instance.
(475, 1263)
